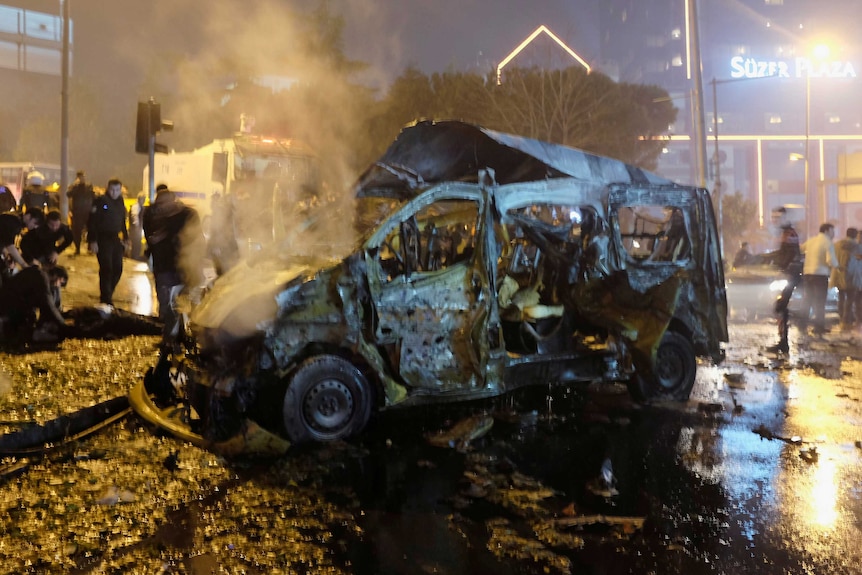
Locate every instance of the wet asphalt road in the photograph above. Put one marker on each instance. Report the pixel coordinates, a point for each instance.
(760, 472)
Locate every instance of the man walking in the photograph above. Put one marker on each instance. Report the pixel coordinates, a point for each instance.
(81, 197)
(845, 250)
(787, 259)
(176, 243)
(108, 237)
(819, 260)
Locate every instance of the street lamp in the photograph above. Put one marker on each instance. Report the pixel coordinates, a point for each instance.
(820, 52)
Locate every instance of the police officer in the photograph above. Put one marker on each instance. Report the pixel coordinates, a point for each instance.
(35, 197)
(81, 196)
(108, 237)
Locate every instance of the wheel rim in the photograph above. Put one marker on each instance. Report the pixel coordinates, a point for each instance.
(328, 407)
(670, 368)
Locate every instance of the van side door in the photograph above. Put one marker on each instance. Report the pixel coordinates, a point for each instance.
(430, 290)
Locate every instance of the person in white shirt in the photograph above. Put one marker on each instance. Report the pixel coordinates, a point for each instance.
(820, 258)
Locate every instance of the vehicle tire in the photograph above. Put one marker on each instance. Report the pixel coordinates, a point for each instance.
(327, 399)
(672, 376)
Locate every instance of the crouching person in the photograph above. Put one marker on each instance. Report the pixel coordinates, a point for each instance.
(24, 294)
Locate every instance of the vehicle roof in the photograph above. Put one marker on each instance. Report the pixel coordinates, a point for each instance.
(428, 153)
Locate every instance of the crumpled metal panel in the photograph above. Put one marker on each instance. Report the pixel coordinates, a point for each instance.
(433, 152)
(429, 325)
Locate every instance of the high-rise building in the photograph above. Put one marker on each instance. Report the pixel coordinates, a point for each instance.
(782, 82)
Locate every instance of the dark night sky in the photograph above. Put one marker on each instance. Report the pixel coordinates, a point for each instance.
(113, 38)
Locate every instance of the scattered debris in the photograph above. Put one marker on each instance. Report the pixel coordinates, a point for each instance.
(809, 454)
(172, 461)
(633, 523)
(765, 433)
(603, 485)
(36, 439)
(113, 495)
(460, 435)
(735, 380)
(710, 408)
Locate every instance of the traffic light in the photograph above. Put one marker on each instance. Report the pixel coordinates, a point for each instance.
(149, 123)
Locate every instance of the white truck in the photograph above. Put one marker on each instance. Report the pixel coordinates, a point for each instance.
(262, 177)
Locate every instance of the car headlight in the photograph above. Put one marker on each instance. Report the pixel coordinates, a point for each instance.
(778, 285)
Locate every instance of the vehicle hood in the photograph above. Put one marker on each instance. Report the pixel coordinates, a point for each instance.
(243, 301)
(432, 152)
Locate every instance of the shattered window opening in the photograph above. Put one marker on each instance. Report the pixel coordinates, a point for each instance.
(440, 235)
(654, 233)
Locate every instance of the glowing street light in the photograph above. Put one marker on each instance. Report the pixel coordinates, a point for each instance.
(820, 53)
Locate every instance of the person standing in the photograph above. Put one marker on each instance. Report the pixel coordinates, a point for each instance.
(176, 243)
(787, 258)
(820, 259)
(34, 197)
(853, 278)
(81, 195)
(108, 237)
(845, 249)
(136, 226)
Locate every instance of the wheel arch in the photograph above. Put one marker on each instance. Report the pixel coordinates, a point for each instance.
(313, 349)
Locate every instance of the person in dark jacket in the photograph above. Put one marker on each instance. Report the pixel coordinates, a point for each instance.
(45, 242)
(25, 292)
(11, 225)
(108, 237)
(8, 203)
(176, 243)
(81, 196)
(788, 259)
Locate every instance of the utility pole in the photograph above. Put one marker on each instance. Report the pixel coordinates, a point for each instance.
(697, 100)
(64, 116)
(716, 163)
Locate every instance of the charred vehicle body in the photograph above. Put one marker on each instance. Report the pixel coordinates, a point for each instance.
(483, 262)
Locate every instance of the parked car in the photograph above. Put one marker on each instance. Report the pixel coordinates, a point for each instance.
(483, 262)
(753, 289)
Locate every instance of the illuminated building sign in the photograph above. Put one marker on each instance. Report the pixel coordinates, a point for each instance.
(741, 67)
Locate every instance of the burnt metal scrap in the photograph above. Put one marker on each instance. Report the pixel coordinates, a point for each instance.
(483, 262)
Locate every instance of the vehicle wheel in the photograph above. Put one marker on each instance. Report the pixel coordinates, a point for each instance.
(327, 399)
(672, 376)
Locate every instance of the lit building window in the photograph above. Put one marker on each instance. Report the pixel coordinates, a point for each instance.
(834, 119)
(774, 119)
(676, 34)
(676, 61)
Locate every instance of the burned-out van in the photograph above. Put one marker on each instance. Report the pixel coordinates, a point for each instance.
(483, 262)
